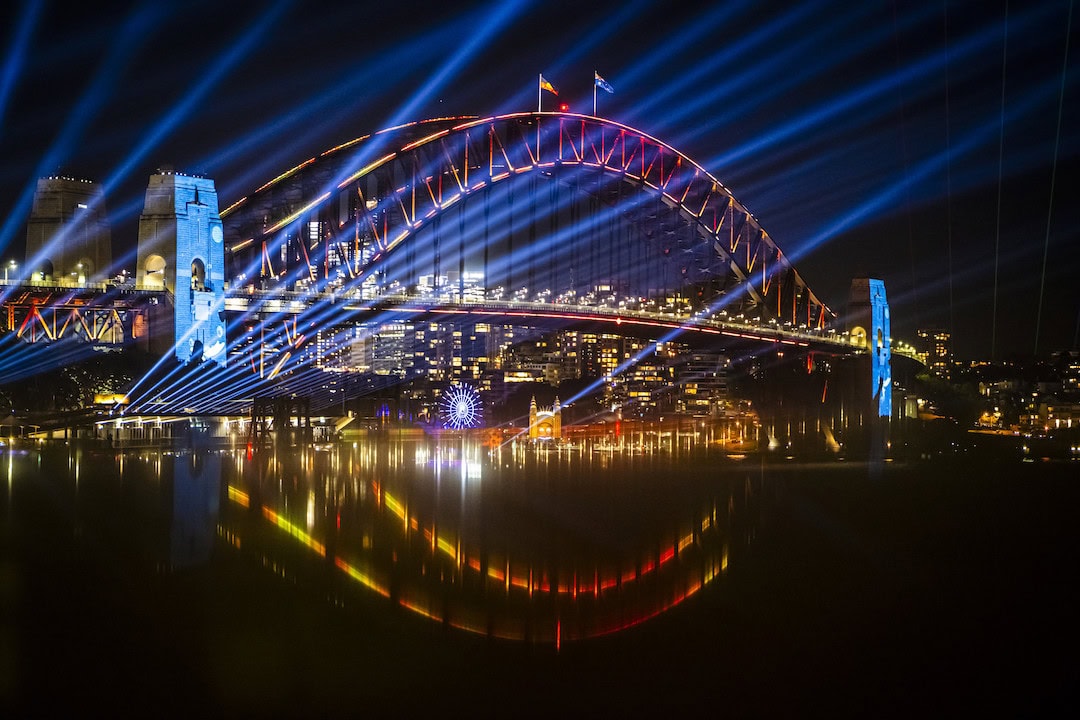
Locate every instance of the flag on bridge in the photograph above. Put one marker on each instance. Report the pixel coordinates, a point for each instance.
(544, 85)
(599, 82)
(602, 83)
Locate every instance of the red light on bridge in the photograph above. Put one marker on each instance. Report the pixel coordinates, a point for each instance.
(563, 107)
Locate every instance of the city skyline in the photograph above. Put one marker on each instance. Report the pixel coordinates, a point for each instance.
(901, 114)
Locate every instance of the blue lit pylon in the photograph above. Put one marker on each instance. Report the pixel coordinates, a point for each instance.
(461, 406)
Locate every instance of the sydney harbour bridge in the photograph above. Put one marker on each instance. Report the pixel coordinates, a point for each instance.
(538, 220)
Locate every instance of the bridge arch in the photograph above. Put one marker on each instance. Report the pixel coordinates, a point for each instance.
(438, 207)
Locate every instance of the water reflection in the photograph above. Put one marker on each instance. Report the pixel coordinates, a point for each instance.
(196, 489)
(519, 542)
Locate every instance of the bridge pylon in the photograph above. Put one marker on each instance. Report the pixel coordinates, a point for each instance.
(68, 240)
(181, 250)
(869, 324)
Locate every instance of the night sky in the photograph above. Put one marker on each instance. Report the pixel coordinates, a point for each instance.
(918, 142)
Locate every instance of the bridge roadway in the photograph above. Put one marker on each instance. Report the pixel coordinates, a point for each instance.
(27, 300)
(699, 326)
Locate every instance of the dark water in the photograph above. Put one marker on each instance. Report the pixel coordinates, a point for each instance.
(413, 576)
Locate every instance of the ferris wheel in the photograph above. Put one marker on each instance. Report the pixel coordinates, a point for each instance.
(461, 407)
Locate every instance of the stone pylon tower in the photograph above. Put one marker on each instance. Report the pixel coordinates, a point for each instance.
(67, 236)
(870, 326)
(181, 250)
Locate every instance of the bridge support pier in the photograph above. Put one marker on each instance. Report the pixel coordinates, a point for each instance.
(272, 422)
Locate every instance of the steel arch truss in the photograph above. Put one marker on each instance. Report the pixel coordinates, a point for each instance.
(347, 215)
(43, 315)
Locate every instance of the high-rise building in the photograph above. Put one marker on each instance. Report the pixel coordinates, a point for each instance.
(936, 345)
(67, 236)
(1068, 364)
(702, 381)
(598, 354)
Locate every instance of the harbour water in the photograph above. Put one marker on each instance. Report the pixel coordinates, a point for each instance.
(446, 575)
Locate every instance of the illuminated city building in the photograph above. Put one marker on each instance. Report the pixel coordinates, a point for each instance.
(936, 345)
(657, 377)
(1067, 367)
(541, 358)
(545, 423)
(645, 386)
(436, 351)
(702, 382)
(67, 235)
(334, 349)
(391, 351)
(599, 354)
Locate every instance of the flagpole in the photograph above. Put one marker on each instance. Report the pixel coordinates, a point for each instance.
(539, 95)
(594, 94)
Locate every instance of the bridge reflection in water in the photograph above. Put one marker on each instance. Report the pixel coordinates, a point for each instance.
(522, 542)
(287, 581)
